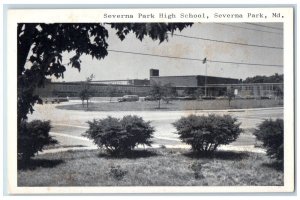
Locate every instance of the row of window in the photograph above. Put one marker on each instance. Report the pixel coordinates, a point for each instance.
(76, 88)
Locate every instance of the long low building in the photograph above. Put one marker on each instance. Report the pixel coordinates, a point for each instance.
(210, 86)
(191, 81)
(98, 89)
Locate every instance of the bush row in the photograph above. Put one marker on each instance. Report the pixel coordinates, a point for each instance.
(203, 133)
(119, 136)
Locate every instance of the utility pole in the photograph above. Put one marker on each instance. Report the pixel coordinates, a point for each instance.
(205, 78)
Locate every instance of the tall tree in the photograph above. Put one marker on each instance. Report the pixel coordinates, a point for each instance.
(86, 92)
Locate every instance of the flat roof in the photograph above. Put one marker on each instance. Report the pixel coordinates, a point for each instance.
(192, 76)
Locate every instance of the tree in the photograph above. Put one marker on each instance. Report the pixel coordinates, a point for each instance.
(84, 95)
(158, 91)
(230, 95)
(40, 49)
(276, 78)
(86, 92)
(41, 46)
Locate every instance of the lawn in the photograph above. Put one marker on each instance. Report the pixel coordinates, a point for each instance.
(175, 105)
(151, 167)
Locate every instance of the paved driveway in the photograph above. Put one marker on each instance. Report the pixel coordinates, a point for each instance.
(68, 125)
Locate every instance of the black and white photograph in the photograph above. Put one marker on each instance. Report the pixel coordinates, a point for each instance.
(157, 103)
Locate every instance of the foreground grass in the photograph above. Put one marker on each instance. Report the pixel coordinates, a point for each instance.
(154, 167)
(175, 105)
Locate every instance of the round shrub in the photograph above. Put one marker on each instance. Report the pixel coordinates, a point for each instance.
(119, 136)
(33, 137)
(206, 133)
(270, 133)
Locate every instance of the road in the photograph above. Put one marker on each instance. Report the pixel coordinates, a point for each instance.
(68, 125)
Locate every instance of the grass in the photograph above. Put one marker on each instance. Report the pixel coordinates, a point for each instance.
(175, 105)
(152, 167)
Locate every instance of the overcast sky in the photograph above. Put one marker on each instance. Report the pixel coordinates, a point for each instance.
(129, 66)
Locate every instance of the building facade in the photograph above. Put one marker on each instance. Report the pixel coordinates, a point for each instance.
(97, 89)
(210, 86)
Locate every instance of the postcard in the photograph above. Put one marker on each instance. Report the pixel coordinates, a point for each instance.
(160, 100)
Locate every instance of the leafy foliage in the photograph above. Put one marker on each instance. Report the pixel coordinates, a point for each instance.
(165, 92)
(33, 137)
(206, 133)
(156, 31)
(86, 93)
(270, 132)
(119, 136)
(276, 78)
(43, 45)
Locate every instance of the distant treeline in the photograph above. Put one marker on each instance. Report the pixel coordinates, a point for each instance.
(276, 78)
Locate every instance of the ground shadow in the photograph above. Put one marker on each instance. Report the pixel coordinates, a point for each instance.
(277, 165)
(135, 154)
(222, 155)
(63, 146)
(35, 163)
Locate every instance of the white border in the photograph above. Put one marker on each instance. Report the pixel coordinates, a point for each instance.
(96, 15)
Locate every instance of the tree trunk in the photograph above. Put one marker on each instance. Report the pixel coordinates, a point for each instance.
(24, 46)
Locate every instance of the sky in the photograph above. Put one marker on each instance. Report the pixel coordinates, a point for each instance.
(118, 66)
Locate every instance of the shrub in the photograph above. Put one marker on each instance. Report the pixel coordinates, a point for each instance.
(119, 136)
(206, 133)
(33, 137)
(270, 132)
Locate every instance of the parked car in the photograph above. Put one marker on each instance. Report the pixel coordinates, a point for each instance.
(128, 98)
(54, 99)
(265, 97)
